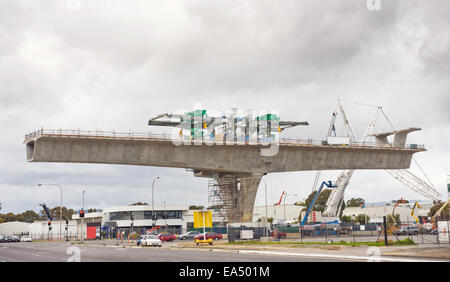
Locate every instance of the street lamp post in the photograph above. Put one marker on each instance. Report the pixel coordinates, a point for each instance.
(60, 208)
(265, 192)
(165, 216)
(153, 202)
(82, 220)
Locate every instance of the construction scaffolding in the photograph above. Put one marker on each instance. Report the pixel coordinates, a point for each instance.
(223, 198)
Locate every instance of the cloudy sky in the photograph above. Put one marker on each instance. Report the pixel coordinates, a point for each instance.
(112, 65)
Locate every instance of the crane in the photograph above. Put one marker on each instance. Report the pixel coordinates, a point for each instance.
(328, 184)
(333, 205)
(416, 205)
(331, 129)
(279, 202)
(405, 176)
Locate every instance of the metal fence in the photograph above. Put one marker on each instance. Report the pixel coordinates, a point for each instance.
(374, 232)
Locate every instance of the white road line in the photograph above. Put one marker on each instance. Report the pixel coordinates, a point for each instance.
(372, 258)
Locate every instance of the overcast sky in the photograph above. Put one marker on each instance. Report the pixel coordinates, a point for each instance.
(114, 64)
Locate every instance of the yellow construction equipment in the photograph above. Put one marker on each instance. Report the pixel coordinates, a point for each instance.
(416, 205)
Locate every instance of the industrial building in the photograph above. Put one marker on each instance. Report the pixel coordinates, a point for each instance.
(376, 213)
(13, 228)
(125, 219)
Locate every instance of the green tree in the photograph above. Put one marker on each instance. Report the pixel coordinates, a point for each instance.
(29, 216)
(139, 204)
(362, 219)
(321, 201)
(54, 213)
(193, 207)
(445, 213)
(346, 218)
(355, 202)
(269, 219)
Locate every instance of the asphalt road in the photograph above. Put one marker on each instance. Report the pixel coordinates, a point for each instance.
(63, 252)
(60, 252)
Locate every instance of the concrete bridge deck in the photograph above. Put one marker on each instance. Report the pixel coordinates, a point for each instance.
(148, 149)
(241, 162)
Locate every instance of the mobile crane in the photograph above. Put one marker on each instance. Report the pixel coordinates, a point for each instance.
(328, 184)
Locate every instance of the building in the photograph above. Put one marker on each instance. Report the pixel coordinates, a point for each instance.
(279, 213)
(376, 213)
(114, 221)
(14, 228)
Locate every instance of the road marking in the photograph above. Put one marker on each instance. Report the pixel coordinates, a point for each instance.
(335, 256)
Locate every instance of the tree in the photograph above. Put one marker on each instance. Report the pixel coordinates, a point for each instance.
(346, 218)
(269, 219)
(362, 218)
(355, 202)
(193, 207)
(445, 214)
(321, 200)
(139, 204)
(54, 213)
(28, 216)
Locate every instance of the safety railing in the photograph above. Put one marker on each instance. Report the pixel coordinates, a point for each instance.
(214, 140)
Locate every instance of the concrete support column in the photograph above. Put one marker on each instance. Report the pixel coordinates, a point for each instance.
(248, 189)
(238, 193)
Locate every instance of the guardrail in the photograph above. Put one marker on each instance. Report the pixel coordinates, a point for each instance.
(175, 137)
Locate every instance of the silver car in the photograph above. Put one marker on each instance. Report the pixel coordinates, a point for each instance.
(151, 240)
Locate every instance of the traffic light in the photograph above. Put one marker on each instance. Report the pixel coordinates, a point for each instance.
(81, 213)
(49, 225)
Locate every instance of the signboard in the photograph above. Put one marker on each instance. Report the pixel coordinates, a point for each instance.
(246, 234)
(448, 189)
(443, 227)
(332, 140)
(202, 219)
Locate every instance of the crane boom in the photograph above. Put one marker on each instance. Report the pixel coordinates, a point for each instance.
(333, 205)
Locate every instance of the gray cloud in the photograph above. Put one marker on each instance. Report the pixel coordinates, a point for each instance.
(111, 65)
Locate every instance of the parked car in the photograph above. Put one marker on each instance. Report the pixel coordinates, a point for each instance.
(26, 239)
(407, 230)
(166, 237)
(208, 235)
(138, 242)
(151, 240)
(12, 238)
(2, 239)
(280, 234)
(188, 235)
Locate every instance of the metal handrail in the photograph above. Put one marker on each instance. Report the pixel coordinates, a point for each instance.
(172, 137)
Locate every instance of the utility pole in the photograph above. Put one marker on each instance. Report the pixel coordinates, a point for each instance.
(385, 231)
(153, 202)
(165, 217)
(82, 220)
(265, 192)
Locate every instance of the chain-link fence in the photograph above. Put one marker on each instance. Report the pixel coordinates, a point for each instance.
(433, 233)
